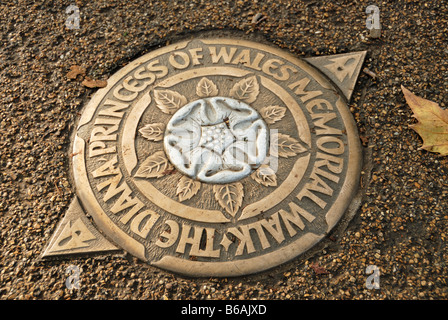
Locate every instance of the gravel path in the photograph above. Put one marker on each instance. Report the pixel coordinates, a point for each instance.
(401, 225)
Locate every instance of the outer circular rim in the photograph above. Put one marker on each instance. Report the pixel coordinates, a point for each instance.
(218, 269)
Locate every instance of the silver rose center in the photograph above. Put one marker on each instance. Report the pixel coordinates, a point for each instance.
(216, 140)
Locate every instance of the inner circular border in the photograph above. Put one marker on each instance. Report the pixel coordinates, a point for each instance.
(205, 215)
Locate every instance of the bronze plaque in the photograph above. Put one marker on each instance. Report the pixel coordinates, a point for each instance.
(218, 157)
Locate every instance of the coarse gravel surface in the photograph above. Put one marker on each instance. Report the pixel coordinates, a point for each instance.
(401, 223)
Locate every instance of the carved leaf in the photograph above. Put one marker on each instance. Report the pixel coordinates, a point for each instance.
(286, 146)
(169, 101)
(153, 131)
(272, 114)
(187, 188)
(246, 90)
(155, 166)
(229, 196)
(265, 176)
(206, 88)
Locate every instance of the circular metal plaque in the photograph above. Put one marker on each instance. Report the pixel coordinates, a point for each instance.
(216, 157)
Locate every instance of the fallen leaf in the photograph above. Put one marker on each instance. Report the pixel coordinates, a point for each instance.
(91, 83)
(432, 125)
(75, 71)
(155, 166)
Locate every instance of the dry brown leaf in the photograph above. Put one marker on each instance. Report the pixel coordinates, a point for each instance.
(432, 125)
(91, 83)
(258, 18)
(75, 71)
